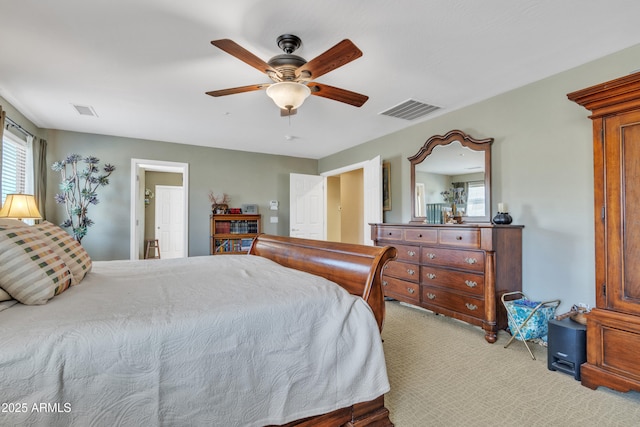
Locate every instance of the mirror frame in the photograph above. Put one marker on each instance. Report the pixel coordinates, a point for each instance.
(466, 141)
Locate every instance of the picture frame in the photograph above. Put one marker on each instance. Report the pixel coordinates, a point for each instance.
(249, 209)
(386, 186)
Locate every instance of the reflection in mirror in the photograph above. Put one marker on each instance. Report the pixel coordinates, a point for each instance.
(451, 177)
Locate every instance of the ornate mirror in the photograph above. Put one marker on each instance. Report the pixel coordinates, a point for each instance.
(451, 173)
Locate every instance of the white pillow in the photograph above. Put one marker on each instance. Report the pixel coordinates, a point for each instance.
(6, 304)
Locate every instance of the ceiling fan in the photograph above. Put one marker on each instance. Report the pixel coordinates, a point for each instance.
(292, 75)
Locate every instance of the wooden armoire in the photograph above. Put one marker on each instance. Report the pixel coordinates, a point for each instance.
(613, 326)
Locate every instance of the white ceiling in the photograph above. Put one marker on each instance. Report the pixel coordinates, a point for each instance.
(144, 65)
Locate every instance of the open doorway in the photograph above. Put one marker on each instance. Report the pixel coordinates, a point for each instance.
(178, 174)
(308, 201)
(360, 192)
(345, 207)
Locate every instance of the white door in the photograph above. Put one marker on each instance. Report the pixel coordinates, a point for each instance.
(170, 221)
(372, 196)
(307, 206)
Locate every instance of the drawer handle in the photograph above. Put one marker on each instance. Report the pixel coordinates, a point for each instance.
(419, 235)
(411, 272)
(411, 290)
(470, 260)
(411, 253)
(431, 296)
(384, 283)
(458, 237)
(431, 256)
(390, 233)
(470, 283)
(431, 276)
(471, 306)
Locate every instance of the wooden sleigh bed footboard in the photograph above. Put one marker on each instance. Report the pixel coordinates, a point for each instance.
(358, 269)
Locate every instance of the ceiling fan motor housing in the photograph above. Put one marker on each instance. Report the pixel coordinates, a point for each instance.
(289, 43)
(287, 63)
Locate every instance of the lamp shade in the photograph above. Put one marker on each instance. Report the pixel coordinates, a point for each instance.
(20, 206)
(288, 95)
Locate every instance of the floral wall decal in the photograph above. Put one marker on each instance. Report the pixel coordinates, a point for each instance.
(78, 190)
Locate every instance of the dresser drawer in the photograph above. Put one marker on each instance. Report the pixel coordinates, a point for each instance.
(389, 233)
(408, 253)
(462, 238)
(466, 260)
(401, 289)
(452, 279)
(402, 270)
(461, 303)
(421, 235)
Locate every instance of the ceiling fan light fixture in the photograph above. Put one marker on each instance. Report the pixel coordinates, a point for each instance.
(288, 95)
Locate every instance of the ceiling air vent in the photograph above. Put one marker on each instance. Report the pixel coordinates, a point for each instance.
(85, 110)
(410, 109)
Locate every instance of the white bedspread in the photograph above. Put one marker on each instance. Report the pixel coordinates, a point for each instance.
(202, 341)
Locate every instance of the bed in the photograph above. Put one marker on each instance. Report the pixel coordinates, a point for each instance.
(249, 340)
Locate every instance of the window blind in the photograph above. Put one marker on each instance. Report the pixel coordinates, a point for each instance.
(475, 198)
(14, 165)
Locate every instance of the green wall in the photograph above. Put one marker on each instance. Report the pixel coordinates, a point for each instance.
(246, 177)
(542, 168)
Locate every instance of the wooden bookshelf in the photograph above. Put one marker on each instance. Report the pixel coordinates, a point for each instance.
(233, 233)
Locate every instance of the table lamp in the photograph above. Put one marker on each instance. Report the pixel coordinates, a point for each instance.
(20, 206)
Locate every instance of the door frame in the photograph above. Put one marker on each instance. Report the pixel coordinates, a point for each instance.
(360, 165)
(138, 166)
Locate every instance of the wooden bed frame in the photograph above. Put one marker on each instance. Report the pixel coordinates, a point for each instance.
(356, 268)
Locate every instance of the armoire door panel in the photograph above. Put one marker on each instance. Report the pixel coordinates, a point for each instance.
(622, 151)
(630, 135)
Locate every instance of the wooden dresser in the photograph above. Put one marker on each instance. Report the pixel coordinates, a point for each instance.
(613, 327)
(460, 271)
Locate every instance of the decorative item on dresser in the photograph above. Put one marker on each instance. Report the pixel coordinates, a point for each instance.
(233, 234)
(613, 327)
(460, 271)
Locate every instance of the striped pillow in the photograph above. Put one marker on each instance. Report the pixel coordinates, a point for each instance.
(4, 296)
(65, 246)
(29, 271)
(12, 223)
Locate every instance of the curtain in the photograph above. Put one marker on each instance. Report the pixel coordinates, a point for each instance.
(40, 174)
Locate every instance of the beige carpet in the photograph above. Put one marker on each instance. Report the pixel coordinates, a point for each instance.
(444, 373)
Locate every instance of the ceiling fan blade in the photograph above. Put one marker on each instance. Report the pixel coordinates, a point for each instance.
(337, 94)
(339, 55)
(234, 49)
(234, 90)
